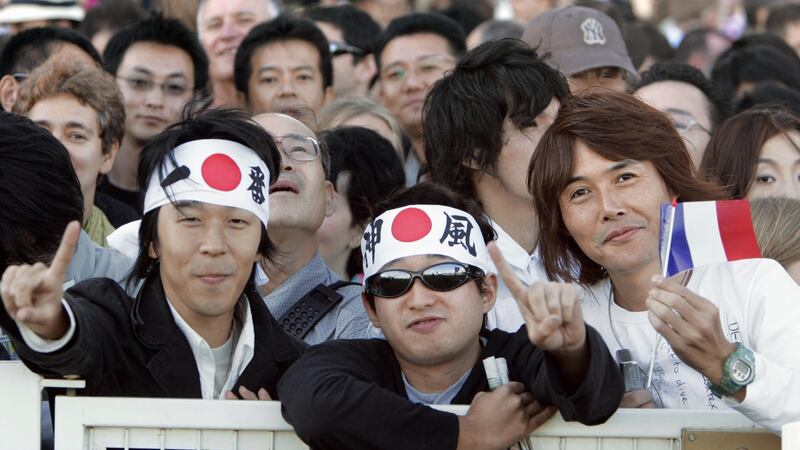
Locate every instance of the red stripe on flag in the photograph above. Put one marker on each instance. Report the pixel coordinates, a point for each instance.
(736, 230)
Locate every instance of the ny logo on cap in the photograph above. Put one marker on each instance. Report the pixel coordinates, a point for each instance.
(593, 32)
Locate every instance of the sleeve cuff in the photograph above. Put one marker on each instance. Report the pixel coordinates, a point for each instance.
(41, 345)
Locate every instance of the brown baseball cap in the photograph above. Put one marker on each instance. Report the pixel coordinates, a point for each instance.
(578, 39)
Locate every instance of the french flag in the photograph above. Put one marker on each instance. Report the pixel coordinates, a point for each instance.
(694, 234)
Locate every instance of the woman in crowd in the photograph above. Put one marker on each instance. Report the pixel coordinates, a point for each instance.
(363, 112)
(756, 153)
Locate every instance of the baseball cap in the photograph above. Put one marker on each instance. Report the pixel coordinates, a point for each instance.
(18, 11)
(577, 39)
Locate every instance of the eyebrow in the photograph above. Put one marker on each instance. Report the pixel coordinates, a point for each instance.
(180, 204)
(145, 71)
(422, 58)
(67, 125)
(303, 67)
(614, 167)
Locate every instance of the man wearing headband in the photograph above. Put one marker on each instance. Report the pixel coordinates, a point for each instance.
(197, 328)
(428, 288)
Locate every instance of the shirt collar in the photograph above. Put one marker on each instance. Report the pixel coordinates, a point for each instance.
(244, 346)
(514, 254)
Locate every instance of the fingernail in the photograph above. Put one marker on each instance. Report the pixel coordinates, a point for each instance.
(657, 279)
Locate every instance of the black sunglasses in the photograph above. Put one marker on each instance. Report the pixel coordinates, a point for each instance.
(340, 48)
(444, 276)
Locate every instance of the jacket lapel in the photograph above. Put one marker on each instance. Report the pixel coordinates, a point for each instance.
(172, 366)
(273, 353)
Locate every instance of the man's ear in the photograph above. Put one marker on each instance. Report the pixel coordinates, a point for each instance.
(373, 316)
(355, 231)
(329, 193)
(151, 251)
(328, 97)
(8, 92)
(365, 71)
(489, 293)
(108, 158)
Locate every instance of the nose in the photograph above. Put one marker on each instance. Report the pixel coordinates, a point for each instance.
(286, 162)
(420, 296)
(154, 98)
(229, 30)
(611, 204)
(413, 80)
(286, 88)
(213, 242)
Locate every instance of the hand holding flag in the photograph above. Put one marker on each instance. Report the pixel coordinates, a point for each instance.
(691, 325)
(694, 234)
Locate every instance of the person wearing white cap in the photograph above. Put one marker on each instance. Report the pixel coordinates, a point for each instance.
(197, 328)
(373, 393)
(21, 15)
(585, 45)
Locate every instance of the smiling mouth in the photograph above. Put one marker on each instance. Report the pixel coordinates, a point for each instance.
(621, 235)
(213, 278)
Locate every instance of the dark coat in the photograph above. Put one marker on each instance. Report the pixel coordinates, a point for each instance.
(133, 348)
(350, 394)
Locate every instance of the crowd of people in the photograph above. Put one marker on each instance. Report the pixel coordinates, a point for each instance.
(364, 208)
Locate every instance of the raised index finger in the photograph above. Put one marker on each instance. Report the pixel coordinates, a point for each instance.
(515, 286)
(69, 241)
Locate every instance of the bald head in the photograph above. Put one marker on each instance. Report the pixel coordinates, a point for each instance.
(279, 125)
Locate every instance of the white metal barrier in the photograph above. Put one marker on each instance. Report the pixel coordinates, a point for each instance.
(84, 423)
(21, 404)
(791, 436)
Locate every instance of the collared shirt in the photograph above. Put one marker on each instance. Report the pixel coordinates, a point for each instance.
(204, 355)
(347, 319)
(527, 267)
(411, 168)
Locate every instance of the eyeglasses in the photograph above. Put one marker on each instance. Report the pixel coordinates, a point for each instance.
(298, 148)
(340, 48)
(439, 277)
(171, 88)
(683, 123)
(20, 76)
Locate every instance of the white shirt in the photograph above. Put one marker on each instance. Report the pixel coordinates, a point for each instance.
(527, 267)
(759, 307)
(203, 355)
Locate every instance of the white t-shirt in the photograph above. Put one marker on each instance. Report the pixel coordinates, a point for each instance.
(759, 307)
(526, 266)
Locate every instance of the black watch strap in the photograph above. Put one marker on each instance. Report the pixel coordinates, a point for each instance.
(310, 308)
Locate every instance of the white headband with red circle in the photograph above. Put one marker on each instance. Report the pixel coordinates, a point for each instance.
(423, 230)
(215, 171)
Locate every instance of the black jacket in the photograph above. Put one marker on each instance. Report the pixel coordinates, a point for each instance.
(132, 347)
(350, 394)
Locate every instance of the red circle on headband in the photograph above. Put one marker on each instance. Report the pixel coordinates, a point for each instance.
(411, 224)
(221, 172)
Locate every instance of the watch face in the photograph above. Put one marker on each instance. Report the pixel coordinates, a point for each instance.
(741, 371)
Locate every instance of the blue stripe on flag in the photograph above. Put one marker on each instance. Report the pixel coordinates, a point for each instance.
(680, 258)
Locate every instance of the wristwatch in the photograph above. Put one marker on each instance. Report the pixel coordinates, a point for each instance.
(738, 370)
